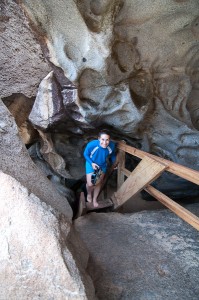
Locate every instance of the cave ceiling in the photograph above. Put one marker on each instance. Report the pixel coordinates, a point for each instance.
(128, 65)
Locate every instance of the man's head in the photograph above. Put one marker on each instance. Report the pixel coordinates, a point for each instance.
(104, 138)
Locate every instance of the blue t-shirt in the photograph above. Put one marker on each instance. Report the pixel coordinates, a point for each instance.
(94, 153)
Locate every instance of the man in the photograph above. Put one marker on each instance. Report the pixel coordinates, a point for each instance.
(96, 154)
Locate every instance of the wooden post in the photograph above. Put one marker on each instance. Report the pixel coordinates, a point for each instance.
(121, 165)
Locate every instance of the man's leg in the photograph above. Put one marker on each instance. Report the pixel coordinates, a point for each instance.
(89, 187)
(97, 190)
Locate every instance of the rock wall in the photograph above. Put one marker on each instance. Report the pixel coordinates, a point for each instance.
(135, 67)
(69, 68)
(22, 62)
(15, 161)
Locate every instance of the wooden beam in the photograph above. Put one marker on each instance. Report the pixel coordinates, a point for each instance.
(126, 172)
(183, 213)
(146, 172)
(121, 165)
(172, 167)
(103, 187)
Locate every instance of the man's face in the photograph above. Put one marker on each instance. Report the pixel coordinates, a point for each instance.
(104, 140)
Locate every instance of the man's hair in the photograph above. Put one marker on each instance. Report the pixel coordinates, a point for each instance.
(104, 131)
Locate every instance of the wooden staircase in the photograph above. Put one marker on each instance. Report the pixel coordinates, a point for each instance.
(148, 170)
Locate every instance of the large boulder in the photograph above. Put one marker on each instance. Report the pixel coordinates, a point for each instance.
(146, 255)
(40, 258)
(15, 161)
(55, 106)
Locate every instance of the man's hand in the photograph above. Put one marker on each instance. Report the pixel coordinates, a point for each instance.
(95, 166)
(115, 165)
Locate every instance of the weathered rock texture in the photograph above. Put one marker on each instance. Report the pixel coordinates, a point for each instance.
(22, 62)
(38, 259)
(148, 255)
(15, 161)
(56, 106)
(129, 65)
(135, 67)
(20, 107)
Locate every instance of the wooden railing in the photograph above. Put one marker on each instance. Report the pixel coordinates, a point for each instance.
(149, 169)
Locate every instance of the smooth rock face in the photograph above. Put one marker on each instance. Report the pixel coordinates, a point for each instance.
(147, 255)
(135, 66)
(36, 261)
(15, 161)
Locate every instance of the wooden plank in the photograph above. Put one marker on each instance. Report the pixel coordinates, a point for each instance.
(183, 213)
(146, 172)
(126, 172)
(173, 206)
(103, 188)
(121, 165)
(184, 172)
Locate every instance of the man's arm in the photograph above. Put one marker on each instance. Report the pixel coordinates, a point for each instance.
(87, 153)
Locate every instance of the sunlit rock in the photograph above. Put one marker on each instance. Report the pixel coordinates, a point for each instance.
(39, 258)
(56, 105)
(48, 106)
(131, 66)
(129, 62)
(71, 45)
(103, 104)
(135, 66)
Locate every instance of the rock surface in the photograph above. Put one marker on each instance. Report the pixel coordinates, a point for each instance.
(55, 107)
(131, 66)
(20, 107)
(15, 161)
(146, 255)
(22, 60)
(48, 106)
(37, 257)
(135, 67)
